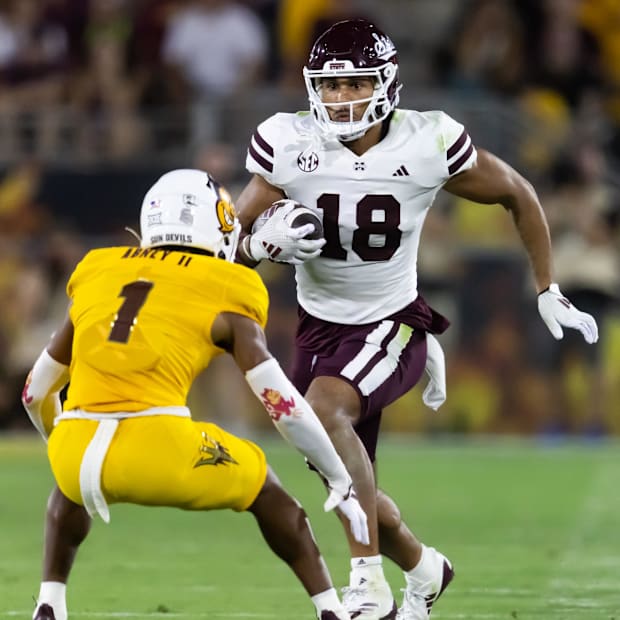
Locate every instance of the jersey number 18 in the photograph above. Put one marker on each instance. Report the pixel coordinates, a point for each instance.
(370, 225)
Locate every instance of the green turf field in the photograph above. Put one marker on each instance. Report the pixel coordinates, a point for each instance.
(533, 531)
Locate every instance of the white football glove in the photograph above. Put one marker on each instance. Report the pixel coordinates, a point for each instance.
(434, 394)
(349, 506)
(556, 311)
(279, 242)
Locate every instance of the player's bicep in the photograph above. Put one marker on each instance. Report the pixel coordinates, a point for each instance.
(242, 337)
(257, 196)
(61, 343)
(490, 180)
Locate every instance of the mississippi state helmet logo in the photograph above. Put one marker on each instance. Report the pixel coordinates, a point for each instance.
(308, 163)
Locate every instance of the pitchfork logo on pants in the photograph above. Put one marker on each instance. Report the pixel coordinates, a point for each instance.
(308, 163)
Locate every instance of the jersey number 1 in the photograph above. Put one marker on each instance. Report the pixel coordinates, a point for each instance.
(135, 294)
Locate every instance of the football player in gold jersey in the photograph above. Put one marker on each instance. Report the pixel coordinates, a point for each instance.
(142, 323)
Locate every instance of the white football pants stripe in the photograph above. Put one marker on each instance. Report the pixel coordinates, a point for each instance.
(372, 347)
(385, 366)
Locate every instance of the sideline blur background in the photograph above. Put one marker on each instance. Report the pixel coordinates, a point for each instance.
(99, 97)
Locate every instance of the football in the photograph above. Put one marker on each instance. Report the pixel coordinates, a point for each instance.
(299, 216)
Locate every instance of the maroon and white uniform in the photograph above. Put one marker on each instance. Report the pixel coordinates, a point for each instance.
(361, 318)
(373, 206)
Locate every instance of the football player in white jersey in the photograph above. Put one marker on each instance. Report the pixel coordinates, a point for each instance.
(371, 171)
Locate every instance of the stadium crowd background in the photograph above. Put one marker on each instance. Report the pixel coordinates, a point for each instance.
(99, 97)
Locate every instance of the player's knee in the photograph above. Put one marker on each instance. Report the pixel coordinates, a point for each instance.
(68, 519)
(273, 497)
(388, 513)
(58, 506)
(335, 402)
(338, 421)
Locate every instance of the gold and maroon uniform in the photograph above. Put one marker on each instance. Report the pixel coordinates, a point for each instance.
(142, 332)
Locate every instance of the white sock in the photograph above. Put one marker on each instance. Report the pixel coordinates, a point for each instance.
(54, 593)
(327, 601)
(364, 569)
(423, 571)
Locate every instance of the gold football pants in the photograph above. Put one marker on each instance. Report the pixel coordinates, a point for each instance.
(163, 460)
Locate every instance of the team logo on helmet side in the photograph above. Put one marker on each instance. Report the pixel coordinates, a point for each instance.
(384, 48)
(225, 210)
(308, 163)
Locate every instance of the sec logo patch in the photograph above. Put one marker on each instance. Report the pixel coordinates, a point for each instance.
(308, 163)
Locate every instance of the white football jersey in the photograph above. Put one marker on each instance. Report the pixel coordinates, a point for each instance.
(372, 206)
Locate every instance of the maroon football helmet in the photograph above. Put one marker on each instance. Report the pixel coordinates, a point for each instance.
(353, 48)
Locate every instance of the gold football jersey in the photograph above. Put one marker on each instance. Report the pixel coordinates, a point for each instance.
(142, 319)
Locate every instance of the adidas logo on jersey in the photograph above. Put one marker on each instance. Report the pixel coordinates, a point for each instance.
(401, 172)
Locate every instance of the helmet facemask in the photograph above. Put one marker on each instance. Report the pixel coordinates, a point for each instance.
(352, 48)
(383, 100)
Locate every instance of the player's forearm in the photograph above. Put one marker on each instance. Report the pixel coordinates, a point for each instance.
(297, 422)
(531, 224)
(244, 256)
(40, 397)
(491, 180)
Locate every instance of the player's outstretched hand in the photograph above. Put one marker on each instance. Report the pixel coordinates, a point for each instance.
(434, 394)
(351, 509)
(557, 311)
(276, 240)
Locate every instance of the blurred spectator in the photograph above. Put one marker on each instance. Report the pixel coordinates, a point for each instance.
(32, 286)
(295, 30)
(33, 66)
(23, 285)
(150, 18)
(484, 377)
(149, 25)
(22, 217)
(336, 11)
(72, 16)
(168, 123)
(486, 52)
(562, 54)
(299, 25)
(584, 217)
(602, 19)
(106, 92)
(214, 49)
(546, 131)
(23, 292)
(267, 12)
